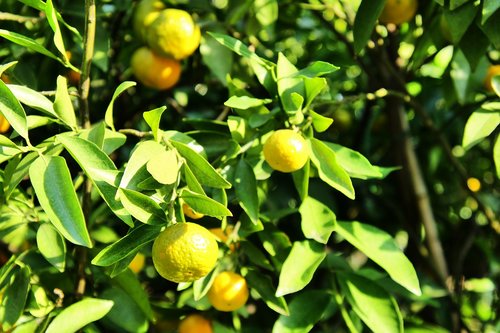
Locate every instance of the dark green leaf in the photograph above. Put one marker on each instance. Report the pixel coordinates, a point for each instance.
(474, 45)
(299, 267)
(263, 285)
(318, 221)
(380, 247)
(14, 297)
(71, 320)
(212, 52)
(365, 20)
(13, 111)
(129, 282)
(142, 207)
(108, 117)
(489, 7)
(54, 189)
(459, 20)
(254, 254)
(52, 246)
(245, 186)
(27, 42)
(125, 315)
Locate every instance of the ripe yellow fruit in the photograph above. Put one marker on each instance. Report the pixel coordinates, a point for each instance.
(398, 11)
(228, 292)
(189, 212)
(154, 71)
(137, 264)
(493, 70)
(286, 151)
(195, 323)
(185, 252)
(474, 184)
(174, 34)
(4, 124)
(144, 14)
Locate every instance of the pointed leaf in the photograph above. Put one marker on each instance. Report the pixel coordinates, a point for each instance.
(62, 104)
(246, 102)
(364, 22)
(124, 307)
(317, 220)
(71, 320)
(356, 165)
(14, 298)
(13, 111)
(164, 167)
(34, 99)
(245, 186)
(51, 13)
(480, 124)
(299, 267)
(288, 85)
(142, 207)
(320, 122)
(380, 247)
(129, 282)
(52, 246)
(317, 68)
(211, 52)
(153, 118)
(205, 205)
(496, 155)
(27, 42)
(263, 285)
(108, 117)
(329, 170)
(54, 189)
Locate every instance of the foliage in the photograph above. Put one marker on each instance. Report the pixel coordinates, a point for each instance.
(378, 231)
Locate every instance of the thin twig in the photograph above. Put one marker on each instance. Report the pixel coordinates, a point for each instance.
(136, 133)
(18, 18)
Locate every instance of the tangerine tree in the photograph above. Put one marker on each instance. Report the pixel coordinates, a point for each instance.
(256, 166)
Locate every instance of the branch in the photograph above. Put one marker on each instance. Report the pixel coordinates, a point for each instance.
(18, 18)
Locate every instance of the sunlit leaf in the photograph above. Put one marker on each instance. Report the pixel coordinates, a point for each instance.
(52, 246)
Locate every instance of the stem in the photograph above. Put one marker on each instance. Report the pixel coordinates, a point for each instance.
(345, 315)
(18, 18)
(84, 88)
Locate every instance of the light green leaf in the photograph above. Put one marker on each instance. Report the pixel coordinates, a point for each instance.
(375, 306)
(108, 117)
(13, 111)
(426, 328)
(266, 11)
(313, 87)
(320, 122)
(380, 247)
(54, 189)
(4, 67)
(329, 170)
(317, 220)
(317, 68)
(204, 172)
(164, 167)
(306, 309)
(263, 285)
(202, 204)
(212, 52)
(124, 308)
(51, 13)
(460, 74)
(245, 186)
(34, 99)
(364, 22)
(288, 85)
(62, 104)
(202, 286)
(130, 282)
(480, 124)
(245, 102)
(130, 243)
(153, 118)
(495, 83)
(14, 298)
(71, 320)
(142, 207)
(27, 42)
(299, 267)
(52, 246)
(356, 165)
(496, 155)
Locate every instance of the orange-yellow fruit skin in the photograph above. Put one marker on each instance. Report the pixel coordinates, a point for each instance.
(137, 264)
(228, 292)
(189, 212)
(144, 14)
(4, 124)
(185, 252)
(195, 323)
(223, 236)
(286, 151)
(493, 70)
(155, 71)
(398, 11)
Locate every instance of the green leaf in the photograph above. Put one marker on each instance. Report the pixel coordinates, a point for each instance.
(26, 42)
(301, 180)
(13, 111)
(62, 104)
(153, 118)
(375, 306)
(491, 27)
(313, 87)
(52, 246)
(142, 207)
(54, 189)
(96, 164)
(317, 68)
(108, 117)
(33, 99)
(164, 167)
(329, 170)
(474, 45)
(124, 308)
(356, 165)
(202, 204)
(187, 140)
(318, 221)
(254, 254)
(191, 181)
(364, 22)
(245, 186)
(425, 328)
(4, 67)
(380, 247)
(212, 52)
(489, 8)
(299, 267)
(51, 13)
(306, 309)
(71, 320)
(495, 83)
(130, 243)
(202, 286)
(204, 172)
(129, 282)
(320, 123)
(245, 102)
(14, 298)
(459, 20)
(288, 84)
(480, 124)
(496, 155)
(266, 11)
(263, 285)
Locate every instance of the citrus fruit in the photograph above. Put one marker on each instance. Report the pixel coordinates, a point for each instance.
(174, 34)
(228, 292)
(154, 71)
(223, 235)
(473, 184)
(195, 323)
(286, 151)
(137, 264)
(493, 70)
(398, 11)
(4, 124)
(144, 14)
(5, 78)
(184, 252)
(189, 212)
